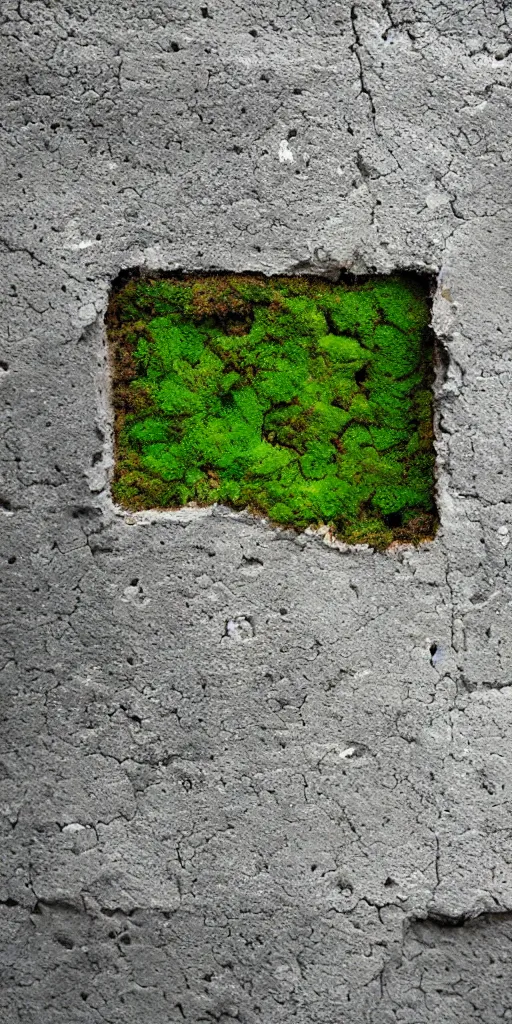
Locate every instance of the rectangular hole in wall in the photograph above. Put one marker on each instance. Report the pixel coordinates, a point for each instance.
(305, 401)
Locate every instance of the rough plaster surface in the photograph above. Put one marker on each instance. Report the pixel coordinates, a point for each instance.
(245, 775)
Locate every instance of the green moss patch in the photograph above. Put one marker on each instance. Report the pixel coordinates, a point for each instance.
(303, 401)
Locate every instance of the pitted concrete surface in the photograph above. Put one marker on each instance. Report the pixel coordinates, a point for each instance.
(246, 775)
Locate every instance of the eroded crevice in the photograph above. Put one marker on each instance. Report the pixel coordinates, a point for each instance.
(357, 48)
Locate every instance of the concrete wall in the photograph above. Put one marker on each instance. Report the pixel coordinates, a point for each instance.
(283, 821)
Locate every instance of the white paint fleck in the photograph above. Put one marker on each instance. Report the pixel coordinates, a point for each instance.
(348, 752)
(285, 154)
(84, 243)
(74, 826)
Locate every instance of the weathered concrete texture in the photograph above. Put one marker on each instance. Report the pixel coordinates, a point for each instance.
(245, 775)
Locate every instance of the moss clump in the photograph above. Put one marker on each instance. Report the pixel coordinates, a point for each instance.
(303, 401)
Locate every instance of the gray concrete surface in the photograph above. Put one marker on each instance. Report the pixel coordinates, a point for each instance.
(305, 817)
